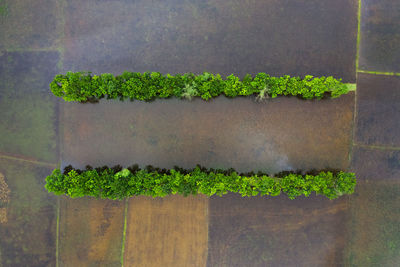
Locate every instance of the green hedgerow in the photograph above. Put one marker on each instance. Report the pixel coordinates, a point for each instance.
(118, 183)
(84, 87)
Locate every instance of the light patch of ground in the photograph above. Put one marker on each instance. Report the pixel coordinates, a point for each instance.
(4, 198)
(172, 231)
(3, 215)
(91, 232)
(4, 190)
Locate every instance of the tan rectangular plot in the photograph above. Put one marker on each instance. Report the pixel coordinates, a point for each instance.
(91, 232)
(170, 231)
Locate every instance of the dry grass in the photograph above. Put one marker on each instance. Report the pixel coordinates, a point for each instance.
(91, 232)
(172, 231)
(3, 215)
(4, 190)
(4, 198)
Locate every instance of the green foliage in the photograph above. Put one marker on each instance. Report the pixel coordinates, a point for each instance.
(189, 91)
(118, 183)
(3, 9)
(84, 87)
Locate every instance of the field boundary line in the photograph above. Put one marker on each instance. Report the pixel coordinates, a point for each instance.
(354, 126)
(19, 50)
(208, 227)
(377, 147)
(358, 34)
(36, 162)
(352, 87)
(124, 232)
(379, 72)
(58, 231)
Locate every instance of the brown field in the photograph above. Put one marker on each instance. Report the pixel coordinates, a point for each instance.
(280, 134)
(27, 216)
(91, 232)
(167, 232)
(262, 231)
(374, 227)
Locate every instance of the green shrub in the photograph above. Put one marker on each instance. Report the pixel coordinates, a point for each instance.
(118, 183)
(84, 87)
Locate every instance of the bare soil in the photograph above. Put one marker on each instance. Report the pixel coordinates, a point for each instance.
(91, 232)
(172, 231)
(276, 231)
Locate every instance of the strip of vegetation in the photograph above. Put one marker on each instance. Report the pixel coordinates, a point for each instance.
(119, 183)
(3, 9)
(85, 87)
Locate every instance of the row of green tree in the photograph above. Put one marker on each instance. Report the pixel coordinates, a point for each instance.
(119, 183)
(85, 87)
